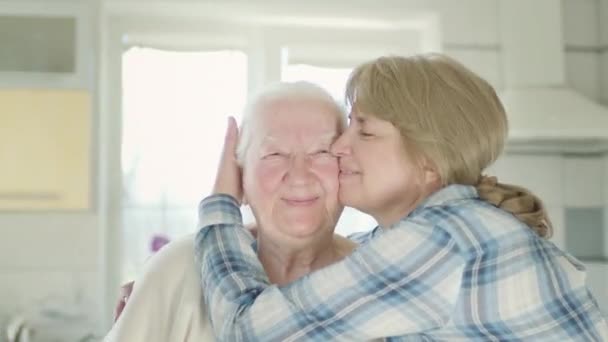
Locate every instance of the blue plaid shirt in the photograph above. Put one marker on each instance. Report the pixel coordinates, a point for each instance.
(456, 268)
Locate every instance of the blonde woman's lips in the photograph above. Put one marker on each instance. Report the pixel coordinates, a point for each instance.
(347, 174)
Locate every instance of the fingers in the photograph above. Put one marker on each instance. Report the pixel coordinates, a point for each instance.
(127, 288)
(125, 293)
(228, 177)
(119, 308)
(231, 138)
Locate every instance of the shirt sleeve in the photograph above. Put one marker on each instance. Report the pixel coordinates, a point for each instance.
(405, 281)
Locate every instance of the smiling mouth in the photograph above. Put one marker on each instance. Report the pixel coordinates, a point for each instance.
(300, 202)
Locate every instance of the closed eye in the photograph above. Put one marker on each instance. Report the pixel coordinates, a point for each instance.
(272, 155)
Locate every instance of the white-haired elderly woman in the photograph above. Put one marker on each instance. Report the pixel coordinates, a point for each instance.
(295, 205)
(443, 264)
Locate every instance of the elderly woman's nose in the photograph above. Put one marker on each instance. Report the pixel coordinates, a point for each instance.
(299, 169)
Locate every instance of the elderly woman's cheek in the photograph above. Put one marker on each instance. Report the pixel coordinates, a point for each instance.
(327, 170)
(268, 176)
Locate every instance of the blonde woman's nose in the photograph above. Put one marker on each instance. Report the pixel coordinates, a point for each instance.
(341, 147)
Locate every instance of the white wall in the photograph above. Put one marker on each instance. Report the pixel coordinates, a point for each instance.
(603, 27)
(531, 171)
(53, 260)
(50, 261)
(582, 43)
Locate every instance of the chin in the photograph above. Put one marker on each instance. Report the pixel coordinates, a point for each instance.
(303, 228)
(348, 198)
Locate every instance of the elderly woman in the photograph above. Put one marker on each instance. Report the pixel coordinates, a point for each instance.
(443, 264)
(295, 204)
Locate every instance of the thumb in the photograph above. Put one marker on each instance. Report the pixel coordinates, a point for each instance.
(231, 138)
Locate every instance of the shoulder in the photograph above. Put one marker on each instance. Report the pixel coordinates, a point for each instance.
(165, 303)
(477, 225)
(171, 261)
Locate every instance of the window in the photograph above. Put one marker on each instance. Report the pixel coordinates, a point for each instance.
(332, 79)
(175, 107)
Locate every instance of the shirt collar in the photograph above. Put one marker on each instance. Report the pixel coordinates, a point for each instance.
(449, 194)
(443, 196)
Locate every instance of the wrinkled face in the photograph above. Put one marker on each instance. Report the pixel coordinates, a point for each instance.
(377, 175)
(290, 177)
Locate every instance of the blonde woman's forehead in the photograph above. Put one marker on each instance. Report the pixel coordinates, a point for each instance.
(358, 112)
(368, 119)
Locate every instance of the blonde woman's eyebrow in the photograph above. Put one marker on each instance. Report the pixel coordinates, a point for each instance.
(329, 136)
(357, 117)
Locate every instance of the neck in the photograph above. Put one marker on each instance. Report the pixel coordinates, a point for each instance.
(284, 263)
(388, 217)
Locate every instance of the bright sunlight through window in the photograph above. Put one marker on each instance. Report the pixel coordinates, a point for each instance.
(175, 107)
(332, 79)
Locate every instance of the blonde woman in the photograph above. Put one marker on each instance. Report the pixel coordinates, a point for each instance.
(443, 264)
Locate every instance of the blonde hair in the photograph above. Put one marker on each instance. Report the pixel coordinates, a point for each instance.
(450, 116)
(274, 92)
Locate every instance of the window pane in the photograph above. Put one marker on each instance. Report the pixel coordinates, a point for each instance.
(334, 81)
(175, 106)
(585, 232)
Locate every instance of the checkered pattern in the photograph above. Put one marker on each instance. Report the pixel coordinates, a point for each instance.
(455, 269)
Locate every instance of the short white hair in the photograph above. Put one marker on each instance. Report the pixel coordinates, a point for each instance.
(274, 92)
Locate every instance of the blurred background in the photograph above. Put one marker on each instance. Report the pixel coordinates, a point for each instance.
(112, 114)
